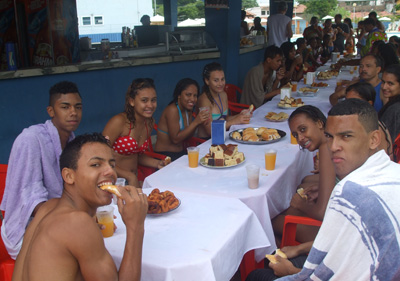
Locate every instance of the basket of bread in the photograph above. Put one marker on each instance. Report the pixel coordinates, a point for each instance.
(288, 103)
(258, 135)
(222, 156)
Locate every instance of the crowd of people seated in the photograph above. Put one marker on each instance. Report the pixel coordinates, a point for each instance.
(358, 132)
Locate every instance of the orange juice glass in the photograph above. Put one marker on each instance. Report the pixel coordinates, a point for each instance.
(305, 79)
(293, 139)
(294, 86)
(193, 156)
(270, 159)
(105, 216)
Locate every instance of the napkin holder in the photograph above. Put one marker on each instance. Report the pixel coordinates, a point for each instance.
(286, 92)
(310, 78)
(218, 132)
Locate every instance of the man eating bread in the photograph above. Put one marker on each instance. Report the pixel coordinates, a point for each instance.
(63, 241)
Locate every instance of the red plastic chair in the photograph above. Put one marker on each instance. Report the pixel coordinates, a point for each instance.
(232, 93)
(290, 226)
(144, 171)
(396, 149)
(6, 262)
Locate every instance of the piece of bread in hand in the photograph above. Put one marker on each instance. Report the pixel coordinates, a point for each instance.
(302, 193)
(251, 108)
(167, 160)
(111, 188)
(272, 258)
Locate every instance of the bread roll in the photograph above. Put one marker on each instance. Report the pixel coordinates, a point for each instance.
(237, 136)
(111, 188)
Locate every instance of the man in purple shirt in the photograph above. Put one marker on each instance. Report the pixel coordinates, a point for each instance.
(33, 174)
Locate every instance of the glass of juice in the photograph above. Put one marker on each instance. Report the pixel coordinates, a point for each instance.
(293, 139)
(193, 156)
(270, 159)
(105, 216)
(294, 86)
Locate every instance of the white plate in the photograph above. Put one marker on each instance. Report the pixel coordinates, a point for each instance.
(261, 142)
(289, 107)
(203, 163)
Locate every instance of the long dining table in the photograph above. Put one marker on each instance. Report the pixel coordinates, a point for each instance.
(220, 218)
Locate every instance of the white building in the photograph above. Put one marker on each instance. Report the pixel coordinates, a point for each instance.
(104, 16)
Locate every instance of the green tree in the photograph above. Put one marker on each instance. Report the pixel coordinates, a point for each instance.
(190, 9)
(319, 8)
(249, 4)
(340, 10)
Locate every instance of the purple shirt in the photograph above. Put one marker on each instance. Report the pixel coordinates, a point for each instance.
(33, 176)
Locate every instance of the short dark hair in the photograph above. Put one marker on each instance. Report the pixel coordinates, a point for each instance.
(311, 112)
(388, 54)
(62, 88)
(369, 21)
(181, 86)
(282, 6)
(272, 51)
(378, 60)
(339, 16)
(367, 114)
(373, 13)
(300, 41)
(72, 151)
(364, 89)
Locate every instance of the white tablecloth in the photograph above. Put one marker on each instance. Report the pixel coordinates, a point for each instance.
(205, 238)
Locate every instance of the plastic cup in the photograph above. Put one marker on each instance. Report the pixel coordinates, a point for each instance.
(294, 86)
(338, 82)
(105, 216)
(253, 176)
(193, 156)
(120, 182)
(270, 159)
(305, 78)
(204, 108)
(293, 139)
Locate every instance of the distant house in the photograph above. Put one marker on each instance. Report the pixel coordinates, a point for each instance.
(105, 18)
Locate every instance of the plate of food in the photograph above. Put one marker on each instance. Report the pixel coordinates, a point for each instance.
(319, 85)
(222, 156)
(162, 202)
(290, 103)
(328, 74)
(277, 117)
(307, 92)
(257, 135)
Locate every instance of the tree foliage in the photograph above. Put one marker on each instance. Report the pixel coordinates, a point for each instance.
(249, 4)
(319, 8)
(187, 9)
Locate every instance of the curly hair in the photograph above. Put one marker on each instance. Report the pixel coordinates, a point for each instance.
(133, 89)
(214, 66)
(311, 112)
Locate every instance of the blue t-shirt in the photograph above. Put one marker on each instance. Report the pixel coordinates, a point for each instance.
(378, 104)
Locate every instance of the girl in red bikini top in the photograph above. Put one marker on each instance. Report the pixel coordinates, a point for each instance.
(127, 145)
(140, 104)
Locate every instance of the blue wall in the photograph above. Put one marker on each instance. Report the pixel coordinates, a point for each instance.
(23, 101)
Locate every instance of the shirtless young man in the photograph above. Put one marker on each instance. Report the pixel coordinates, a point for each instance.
(63, 241)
